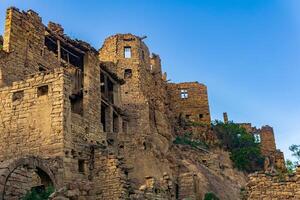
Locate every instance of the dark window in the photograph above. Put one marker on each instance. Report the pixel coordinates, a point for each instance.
(77, 103)
(81, 166)
(115, 123)
(104, 116)
(110, 90)
(42, 90)
(42, 68)
(127, 52)
(184, 94)
(143, 55)
(125, 127)
(127, 73)
(69, 55)
(200, 116)
(18, 95)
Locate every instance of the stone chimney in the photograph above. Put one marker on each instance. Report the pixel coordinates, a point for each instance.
(225, 117)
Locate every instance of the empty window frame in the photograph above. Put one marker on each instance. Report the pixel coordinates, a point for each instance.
(127, 73)
(18, 95)
(143, 55)
(125, 127)
(77, 103)
(257, 138)
(184, 94)
(42, 90)
(81, 167)
(127, 52)
(110, 90)
(104, 116)
(115, 123)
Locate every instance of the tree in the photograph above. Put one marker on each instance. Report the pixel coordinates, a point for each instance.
(290, 165)
(296, 151)
(245, 152)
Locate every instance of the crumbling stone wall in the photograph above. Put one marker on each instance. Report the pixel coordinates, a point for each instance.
(23, 42)
(272, 186)
(42, 81)
(31, 115)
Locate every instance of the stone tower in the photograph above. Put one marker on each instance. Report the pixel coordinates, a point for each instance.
(144, 93)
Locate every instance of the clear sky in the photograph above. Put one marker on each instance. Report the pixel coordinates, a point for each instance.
(246, 51)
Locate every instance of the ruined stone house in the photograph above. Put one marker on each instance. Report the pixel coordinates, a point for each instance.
(52, 92)
(97, 124)
(266, 138)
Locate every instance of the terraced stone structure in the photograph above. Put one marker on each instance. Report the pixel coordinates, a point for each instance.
(272, 186)
(99, 124)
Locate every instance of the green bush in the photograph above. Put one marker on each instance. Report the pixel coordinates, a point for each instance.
(210, 196)
(187, 140)
(197, 124)
(39, 194)
(245, 153)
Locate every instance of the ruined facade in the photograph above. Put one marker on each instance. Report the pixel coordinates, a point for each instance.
(100, 124)
(51, 109)
(190, 100)
(266, 138)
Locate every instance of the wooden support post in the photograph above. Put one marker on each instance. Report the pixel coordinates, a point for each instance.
(58, 51)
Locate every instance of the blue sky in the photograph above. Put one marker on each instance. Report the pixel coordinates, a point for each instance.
(246, 51)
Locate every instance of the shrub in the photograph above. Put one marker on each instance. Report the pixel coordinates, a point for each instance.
(39, 194)
(187, 140)
(245, 153)
(199, 124)
(210, 196)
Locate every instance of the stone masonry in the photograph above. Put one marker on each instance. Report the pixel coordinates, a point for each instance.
(100, 124)
(271, 186)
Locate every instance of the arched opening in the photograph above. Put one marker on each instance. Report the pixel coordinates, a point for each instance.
(23, 176)
(27, 181)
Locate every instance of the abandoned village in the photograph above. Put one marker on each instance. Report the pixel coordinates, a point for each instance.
(101, 124)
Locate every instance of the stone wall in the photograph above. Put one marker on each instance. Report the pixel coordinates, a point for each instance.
(272, 186)
(190, 100)
(31, 115)
(24, 45)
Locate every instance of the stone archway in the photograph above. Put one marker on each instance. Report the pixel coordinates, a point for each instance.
(10, 170)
